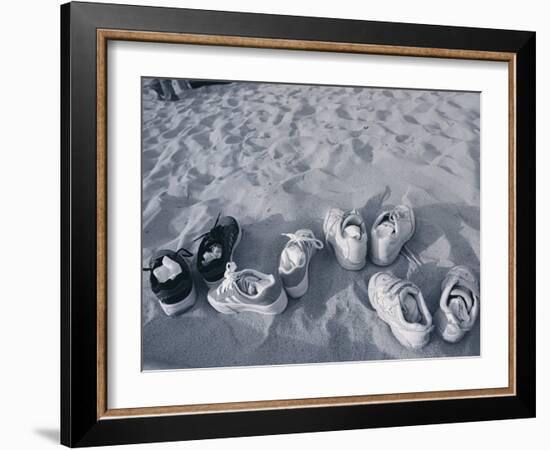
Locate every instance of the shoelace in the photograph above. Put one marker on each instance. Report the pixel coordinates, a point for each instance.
(182, 252)
(305, 237)
(230, 277)
(392, 290)
(395, 215)
(213, 234)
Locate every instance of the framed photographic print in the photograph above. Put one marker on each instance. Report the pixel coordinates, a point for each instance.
(277, 224)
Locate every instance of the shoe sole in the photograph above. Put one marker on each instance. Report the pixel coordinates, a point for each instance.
(277, 307)
(174, 309)
(213, 284)
(344, 263)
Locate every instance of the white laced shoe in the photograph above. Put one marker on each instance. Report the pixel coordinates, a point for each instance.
(346, 233)
(295, 259)
(248, 290)
(401, 305)
(390, 231)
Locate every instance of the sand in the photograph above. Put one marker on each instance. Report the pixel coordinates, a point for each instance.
(276, 157)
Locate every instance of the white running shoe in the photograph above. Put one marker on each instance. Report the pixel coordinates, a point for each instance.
(390, 231)
(346, 233)
(401, 305)
(458, 305)
(248, 290)
(295, 259)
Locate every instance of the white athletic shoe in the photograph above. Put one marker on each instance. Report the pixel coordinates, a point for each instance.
(390, 231)
(248, 290)
(346, 233)
(458, 305)
(400, 304)
(295, 259)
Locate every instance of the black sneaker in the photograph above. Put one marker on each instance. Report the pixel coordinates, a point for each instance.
(171, 280)
(216, 249)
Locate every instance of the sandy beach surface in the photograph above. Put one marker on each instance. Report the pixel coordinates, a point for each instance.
(277, 157)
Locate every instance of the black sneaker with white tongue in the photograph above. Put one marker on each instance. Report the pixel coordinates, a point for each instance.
(216, 249)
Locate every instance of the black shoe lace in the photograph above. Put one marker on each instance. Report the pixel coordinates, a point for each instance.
(183, 252)
(212, 236)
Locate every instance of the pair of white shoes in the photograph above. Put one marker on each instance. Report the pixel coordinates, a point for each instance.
(346, 233)
(401, 305)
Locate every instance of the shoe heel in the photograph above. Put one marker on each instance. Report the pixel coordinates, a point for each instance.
(280, 304)
(298, 290)
(182, 306)
(348, 265)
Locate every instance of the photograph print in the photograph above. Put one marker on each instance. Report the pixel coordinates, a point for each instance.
(298, 224)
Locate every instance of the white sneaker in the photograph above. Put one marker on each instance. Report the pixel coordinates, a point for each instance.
(346, 233)
(295, 259)
(458, 305)
(248, 291)
(401, 305)
(390, 231)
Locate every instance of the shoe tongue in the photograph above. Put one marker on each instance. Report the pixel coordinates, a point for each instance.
(214, 252)
(352, 231)
(293, 256)
(250, 284)
(460, 304)
(168, 270)
(409, 306)
(386, 228)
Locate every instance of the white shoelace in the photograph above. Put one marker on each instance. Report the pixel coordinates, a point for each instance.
(305, 237)
(230, 277)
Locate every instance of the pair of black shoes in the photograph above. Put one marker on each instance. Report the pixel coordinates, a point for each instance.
(170, 276)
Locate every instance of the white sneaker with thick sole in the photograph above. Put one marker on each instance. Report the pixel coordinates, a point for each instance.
(401, 305)
(248, 291)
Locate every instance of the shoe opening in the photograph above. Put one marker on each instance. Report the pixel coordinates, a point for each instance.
(352, 225)
(253, 285)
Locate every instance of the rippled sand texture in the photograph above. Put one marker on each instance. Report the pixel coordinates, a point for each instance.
(277, 157)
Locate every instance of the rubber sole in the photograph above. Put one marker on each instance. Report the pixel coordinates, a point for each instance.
(299, 290)
(277, 307)
(348, 265)
(174, 309)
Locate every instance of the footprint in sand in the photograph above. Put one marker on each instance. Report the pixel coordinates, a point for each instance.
(411, 119)
(231, 139)
(304, 111)
(383, 115)
(343, 114)
(203, 139)
(362, 149)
